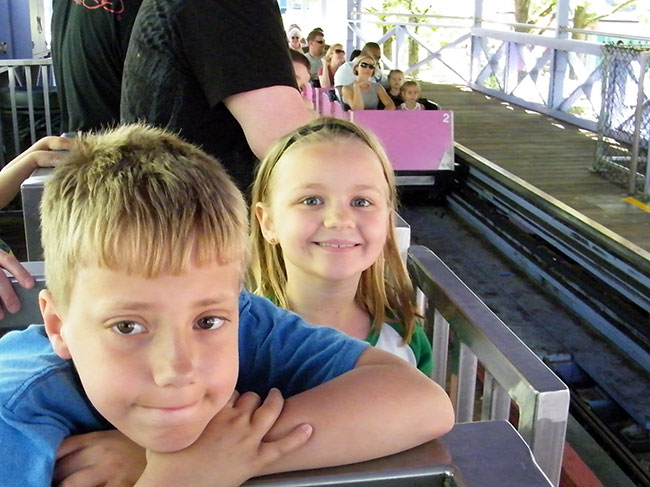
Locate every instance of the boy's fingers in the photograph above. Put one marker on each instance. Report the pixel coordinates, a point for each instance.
(266, 415)
(273, 450)
(249, 401)
(70, 444)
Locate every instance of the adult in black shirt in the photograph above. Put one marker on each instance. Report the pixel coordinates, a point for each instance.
(89, 43)
(216, 71)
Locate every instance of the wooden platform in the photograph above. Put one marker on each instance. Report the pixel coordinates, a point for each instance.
(552, 155)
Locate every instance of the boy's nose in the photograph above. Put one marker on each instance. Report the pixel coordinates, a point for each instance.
(173, 359)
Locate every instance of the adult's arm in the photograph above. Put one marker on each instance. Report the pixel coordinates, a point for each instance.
(352, 96)
(268, 113)
(324, 76)
(388, 102)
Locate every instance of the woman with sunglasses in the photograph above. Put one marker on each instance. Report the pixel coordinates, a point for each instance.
(334, 58)
(365, 93)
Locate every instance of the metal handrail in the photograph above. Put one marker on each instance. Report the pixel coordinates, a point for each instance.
(511, 371)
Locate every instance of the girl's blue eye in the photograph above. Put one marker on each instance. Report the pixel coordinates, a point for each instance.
(360, 202)
(210, 323)
(311, 201)
(128, 328)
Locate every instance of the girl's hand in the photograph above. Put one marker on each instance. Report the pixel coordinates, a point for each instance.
(231, 449)
(106, 458)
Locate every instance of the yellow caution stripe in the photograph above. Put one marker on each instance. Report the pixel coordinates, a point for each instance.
(637, 203)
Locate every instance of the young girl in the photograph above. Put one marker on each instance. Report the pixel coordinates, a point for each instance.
(410, 92)
(322, 225)
(395, 81)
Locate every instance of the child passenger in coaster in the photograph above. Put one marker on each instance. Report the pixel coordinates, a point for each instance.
(410, 92)
(324, 245)
(149, 339)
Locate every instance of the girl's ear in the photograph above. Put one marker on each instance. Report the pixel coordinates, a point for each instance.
(53, 323)
(264, 218)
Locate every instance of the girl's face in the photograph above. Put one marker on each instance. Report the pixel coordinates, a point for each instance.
(411, 94)
(395, 81)
(328, 210)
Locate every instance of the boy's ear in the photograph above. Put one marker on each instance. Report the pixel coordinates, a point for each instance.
(263, 215)
(53, 323)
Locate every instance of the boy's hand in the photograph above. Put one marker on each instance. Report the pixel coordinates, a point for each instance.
(106, 458)
(230, 450)
(8, 296)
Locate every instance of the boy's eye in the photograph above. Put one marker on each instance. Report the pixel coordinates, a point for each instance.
(312, 201)
(210, 323)
(360, 202)
(128, 328)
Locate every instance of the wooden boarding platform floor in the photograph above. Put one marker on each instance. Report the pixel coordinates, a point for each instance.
(552, 155)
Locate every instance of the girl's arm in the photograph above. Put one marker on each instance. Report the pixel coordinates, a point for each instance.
(381, 407)
(41, 154)
(324, 76)
(385, 99)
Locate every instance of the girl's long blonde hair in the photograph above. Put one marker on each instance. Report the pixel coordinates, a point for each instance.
(385, 289)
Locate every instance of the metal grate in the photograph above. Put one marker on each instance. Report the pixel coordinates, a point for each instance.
(624, 123)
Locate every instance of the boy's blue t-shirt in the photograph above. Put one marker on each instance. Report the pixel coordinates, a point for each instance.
(42, 401)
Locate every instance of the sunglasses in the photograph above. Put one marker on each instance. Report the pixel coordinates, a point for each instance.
(367, 65)
(295, 37)
(320, 42)
(339, 51)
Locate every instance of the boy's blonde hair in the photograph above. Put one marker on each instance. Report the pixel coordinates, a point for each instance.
(385, 288)
(141, 200)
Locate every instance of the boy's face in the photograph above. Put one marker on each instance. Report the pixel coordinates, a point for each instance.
(157, 357)
(395, 81)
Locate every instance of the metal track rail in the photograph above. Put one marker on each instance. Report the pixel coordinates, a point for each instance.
(602, 278)
(608, 283)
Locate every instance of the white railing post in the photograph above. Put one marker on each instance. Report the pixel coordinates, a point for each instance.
(559, 63)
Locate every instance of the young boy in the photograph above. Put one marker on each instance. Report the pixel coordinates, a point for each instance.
(395, 80)
(410, 91)
(147, 330)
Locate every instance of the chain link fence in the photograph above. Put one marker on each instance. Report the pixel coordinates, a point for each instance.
(624, 122)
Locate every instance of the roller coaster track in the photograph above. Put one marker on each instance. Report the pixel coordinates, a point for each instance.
(603, 279)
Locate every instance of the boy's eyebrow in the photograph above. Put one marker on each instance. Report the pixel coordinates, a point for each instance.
(201, 303)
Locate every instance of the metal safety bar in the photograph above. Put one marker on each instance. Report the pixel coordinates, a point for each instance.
(469, 343)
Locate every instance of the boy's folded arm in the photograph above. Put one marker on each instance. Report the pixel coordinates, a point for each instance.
(380, 407)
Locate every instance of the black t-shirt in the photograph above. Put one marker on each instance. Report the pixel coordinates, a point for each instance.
(187, 56)
(89, 45)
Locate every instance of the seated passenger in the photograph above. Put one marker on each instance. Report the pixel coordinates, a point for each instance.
(365, 93)
(301, 68)
(395, 80)
(46, 152)
(330, 183)
(296, 42)
(147, 330)
(333, 59)
(316, 45)
(410, 93)
(345, 74)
